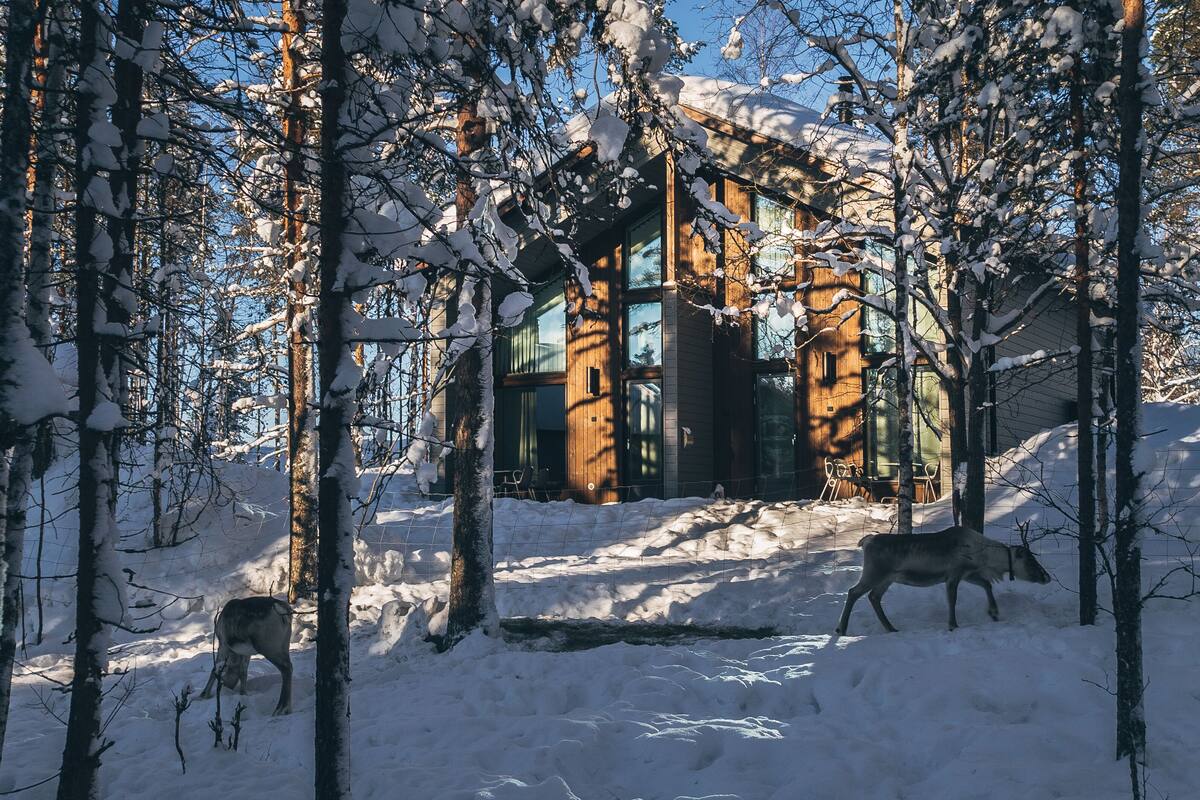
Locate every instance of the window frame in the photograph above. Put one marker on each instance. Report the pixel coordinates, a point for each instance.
(870, 438)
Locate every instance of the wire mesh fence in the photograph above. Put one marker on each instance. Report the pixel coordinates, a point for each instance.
(563, 559)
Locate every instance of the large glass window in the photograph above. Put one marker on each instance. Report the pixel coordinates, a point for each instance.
(644, 246)
(539, 343)
(775, 434)
(775, 255)
(531, 433)
(643, 433)
(879, 328)
(883, 421)
(643, 334)
(774, 333)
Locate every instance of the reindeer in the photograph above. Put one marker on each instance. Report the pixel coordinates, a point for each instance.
(246, 626)
(950, 556)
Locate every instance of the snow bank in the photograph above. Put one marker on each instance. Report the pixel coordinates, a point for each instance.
(992, 710)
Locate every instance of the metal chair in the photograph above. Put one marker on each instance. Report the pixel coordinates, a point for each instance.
(833, 480)
(510, 482)
(928, 479)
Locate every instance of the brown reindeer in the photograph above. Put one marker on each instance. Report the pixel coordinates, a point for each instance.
(950, 556)
(246, 626)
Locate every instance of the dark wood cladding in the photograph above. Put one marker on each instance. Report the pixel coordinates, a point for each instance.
(592, 432)
(832, 413)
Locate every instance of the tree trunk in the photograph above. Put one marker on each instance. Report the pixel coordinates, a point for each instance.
(301, 447)
(472, 593)
(99, 598)
(974, 500)
(122, 229)
(335, 546)
(15, 129)
(1127, 550)
(1084, 390)
(19, 483)
(904, 348)
(32, 449)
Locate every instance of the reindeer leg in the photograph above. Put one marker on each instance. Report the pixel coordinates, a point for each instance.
(952, 598)
(986, 585)
(284, 665)
(983, 583)
(856, 591)
(876, 598)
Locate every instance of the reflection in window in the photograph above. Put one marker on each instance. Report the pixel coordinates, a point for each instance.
(643, 334)
(645, 249)
(539, 343)
(643, 433)
(531, 433)
(879, 328)
(883, 421)
(774, 257)
(775, 434)
(774, 333)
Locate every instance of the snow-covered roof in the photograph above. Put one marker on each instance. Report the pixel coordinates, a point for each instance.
(781, 119)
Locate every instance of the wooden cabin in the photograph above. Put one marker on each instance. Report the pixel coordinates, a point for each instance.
(646, 394)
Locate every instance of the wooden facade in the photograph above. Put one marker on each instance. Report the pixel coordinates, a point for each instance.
(708, 379)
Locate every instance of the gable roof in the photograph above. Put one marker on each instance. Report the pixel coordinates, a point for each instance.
(782, 120)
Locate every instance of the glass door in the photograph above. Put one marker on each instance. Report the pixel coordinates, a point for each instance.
(775, 435)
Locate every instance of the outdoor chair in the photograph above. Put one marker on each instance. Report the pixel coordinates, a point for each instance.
(510, 482)
(927, 478)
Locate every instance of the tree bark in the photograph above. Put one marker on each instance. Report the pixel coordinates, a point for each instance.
(900, 222)
(301, 447)
(98, 590)
(974, 500)
(32, 449)
(122, 229)
(335, 546)
(472, 593)
(1127, 555)
(1084, 389)
(15, 129)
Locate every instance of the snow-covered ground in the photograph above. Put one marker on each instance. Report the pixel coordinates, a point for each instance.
(993, 710)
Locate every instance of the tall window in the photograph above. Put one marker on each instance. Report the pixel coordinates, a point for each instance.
(883, 421)
(879, 327)
(644, 435)
(643, 335)
(531, 409)
(531, 433)
(642, 355)
(774, 332)
(644, 246)
(539, 343)
(775, 255)
(775, 434)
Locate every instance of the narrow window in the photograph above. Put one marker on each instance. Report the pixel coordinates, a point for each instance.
(643, 334)
(644, 245)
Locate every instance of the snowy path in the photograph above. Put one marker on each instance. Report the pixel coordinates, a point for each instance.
(989, 711)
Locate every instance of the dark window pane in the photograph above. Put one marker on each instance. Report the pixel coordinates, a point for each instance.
(645, 253)
(775, 434)
(531, 433)
(774, 333)
(883, 421)
(539, 343)
(774, 257)
(643, 335)
(879, 328)
(643, 433)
